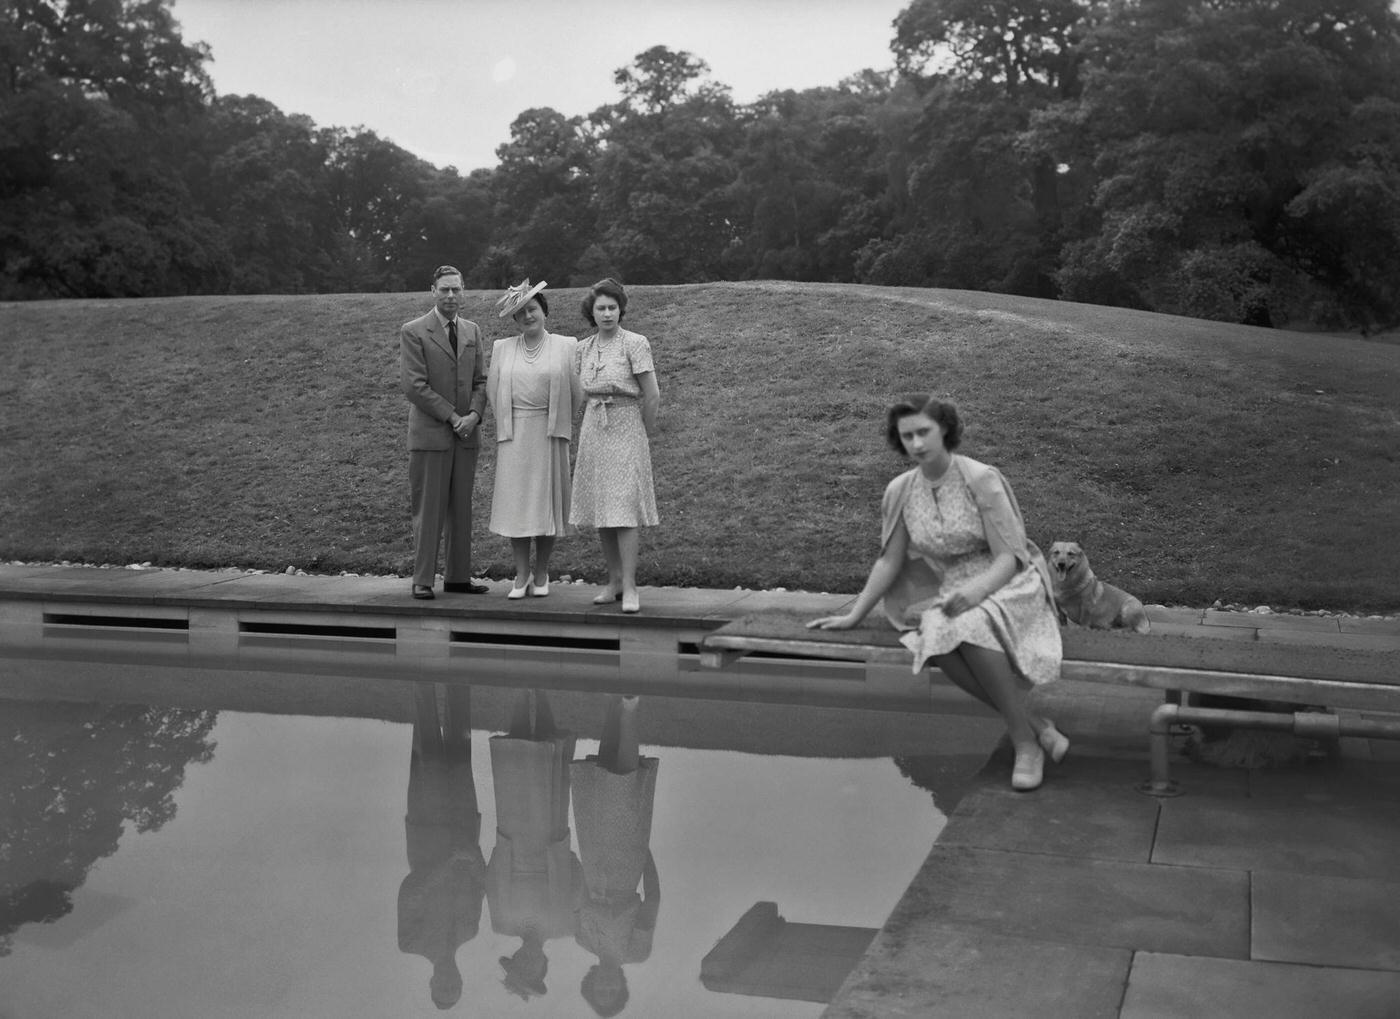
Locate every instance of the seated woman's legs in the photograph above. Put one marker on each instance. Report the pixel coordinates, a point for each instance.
(1007, 691)
(1004, 688)
(959, 673)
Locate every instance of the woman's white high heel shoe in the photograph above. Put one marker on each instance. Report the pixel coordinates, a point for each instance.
(1029, 769)
(540, 590)
(1053, 742)
(516, 593)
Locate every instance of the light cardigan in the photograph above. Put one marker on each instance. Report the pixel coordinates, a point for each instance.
(919, 578)
(565, 393)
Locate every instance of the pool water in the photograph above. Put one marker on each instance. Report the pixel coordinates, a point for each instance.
(185, 861)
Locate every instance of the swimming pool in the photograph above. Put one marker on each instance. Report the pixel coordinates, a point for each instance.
(175, 857)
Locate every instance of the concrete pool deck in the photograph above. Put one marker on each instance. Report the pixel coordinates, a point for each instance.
(1273, 892)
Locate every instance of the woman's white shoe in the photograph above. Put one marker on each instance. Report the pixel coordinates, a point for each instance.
(1053, 742)
(516, 593)
(1029, 769)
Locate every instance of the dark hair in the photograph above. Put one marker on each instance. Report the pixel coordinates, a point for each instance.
(445, 270)
(941, 412)
(604, 288)
(544, 303)
(604, 1005)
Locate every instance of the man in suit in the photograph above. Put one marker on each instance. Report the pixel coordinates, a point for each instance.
(442, 371)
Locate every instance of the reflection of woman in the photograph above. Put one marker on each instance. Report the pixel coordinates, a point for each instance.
(533, 393)
(612, 478)
(533, 882)
(440, 900)
(613, 795)
(957, 572)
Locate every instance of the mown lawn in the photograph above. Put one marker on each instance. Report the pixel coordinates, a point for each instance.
(1193, 460)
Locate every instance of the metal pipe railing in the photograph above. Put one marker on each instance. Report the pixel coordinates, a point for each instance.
(1307, 724)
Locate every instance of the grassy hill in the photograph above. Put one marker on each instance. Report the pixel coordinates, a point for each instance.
(1193, 460)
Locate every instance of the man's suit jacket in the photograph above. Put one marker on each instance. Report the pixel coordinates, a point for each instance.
(437, 383)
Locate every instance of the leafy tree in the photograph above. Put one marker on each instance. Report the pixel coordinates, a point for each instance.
(986, 210)
(267, 184)
(812, 178)
(665, 171)
(94, 98)
(1014, 44)
(545, 188)
(454, 223)
(1244, 160)
(74, 776)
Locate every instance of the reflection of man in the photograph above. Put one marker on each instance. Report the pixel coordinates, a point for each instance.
(442, 371)
(440, 900)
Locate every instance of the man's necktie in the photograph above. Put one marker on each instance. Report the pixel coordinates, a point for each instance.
(452, 334)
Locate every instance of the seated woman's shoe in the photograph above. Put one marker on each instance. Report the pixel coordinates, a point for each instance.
(632, 602)
(1053, 742)
(1029, 769)
(516, 593)
(609, 595)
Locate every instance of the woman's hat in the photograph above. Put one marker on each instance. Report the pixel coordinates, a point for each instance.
(517, 297)
(522, 978)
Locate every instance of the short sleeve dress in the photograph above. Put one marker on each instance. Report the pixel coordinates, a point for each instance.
(612, 484)
(949, 534)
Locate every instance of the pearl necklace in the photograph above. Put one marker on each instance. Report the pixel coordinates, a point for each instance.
(528, 354)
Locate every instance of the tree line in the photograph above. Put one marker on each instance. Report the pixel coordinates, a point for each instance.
(1228, 159)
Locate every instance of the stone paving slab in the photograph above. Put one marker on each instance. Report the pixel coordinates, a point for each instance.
(1362, 624)
(1326, 921)
(1067, 900)
(1164, 986)
(1082, 810)
(1161, 614)
(956, 975)
(1270, 621)
(1308, 638)
(1375, 785)
(1340, 838)
(1235, 633)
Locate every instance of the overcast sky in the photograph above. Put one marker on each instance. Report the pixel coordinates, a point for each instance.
(445, 78)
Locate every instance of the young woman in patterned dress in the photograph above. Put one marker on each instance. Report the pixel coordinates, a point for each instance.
(958, 575)
(612, 488)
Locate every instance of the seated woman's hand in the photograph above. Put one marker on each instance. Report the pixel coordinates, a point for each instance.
(958, 601)
(845, 622)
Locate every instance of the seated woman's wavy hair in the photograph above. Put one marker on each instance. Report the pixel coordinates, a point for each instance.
(942, 412)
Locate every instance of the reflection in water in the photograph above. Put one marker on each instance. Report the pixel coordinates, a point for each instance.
(71, 777)
(533, 881)
(946, 777)
(535, 886)
(439, 907)
(613, 797)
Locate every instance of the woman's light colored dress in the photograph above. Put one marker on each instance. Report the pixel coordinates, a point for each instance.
(956, 528)
(534, 883)
(533, 405)
(612, 476)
